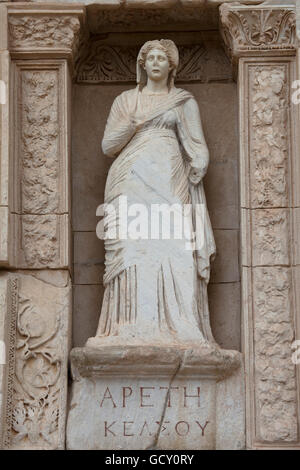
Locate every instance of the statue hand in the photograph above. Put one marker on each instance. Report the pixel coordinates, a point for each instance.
(196, 175)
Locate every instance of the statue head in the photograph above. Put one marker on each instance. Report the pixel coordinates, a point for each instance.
(168, 49)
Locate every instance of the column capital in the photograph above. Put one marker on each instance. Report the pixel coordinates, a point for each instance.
(45, 30)
(265, 29)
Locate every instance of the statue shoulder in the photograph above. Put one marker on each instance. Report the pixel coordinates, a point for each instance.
(126, 95)
(187, 96)
(125, 99)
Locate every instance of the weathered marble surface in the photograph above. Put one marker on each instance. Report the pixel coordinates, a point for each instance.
(154, 398)
(36, 325)
(230, 410)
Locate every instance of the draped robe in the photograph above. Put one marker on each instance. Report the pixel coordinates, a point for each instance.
(156, 289)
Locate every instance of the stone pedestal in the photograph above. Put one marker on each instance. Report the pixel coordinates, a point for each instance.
(142, 397)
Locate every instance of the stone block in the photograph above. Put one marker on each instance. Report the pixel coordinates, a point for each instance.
(88, 258)
(87, 301)
(225, 267)
(145, 397)
(34, 384)
(225, 314)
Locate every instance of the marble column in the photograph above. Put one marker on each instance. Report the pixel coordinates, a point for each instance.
(37, 51)
(261, 41)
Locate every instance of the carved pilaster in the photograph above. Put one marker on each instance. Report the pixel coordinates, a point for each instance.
(262, 43)
(41, 200)
(41, 44)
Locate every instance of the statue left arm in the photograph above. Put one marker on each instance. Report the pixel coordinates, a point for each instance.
(192, 139)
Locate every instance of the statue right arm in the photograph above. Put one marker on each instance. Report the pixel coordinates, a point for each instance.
(119, 128)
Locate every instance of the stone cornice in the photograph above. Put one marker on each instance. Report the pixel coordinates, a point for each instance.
(152, 361)
(264, 29)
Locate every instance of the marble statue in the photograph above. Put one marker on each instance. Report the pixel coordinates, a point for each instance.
(156, 288)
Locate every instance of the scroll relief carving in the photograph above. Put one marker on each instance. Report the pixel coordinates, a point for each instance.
(106, 63)
(275, 375)
(246, 29)
(42, 31)
(38, 367)
(269, 135)
(39, 388)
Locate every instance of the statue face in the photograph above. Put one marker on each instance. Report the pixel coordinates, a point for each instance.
(157, 65)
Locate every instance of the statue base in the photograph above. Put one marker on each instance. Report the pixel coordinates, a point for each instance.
(150, 397)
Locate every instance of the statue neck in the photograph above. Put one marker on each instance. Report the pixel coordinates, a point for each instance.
(157, 87)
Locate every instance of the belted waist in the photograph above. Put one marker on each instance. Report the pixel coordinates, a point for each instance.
(156, 131)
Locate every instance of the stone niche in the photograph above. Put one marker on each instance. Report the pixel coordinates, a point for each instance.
(194, 404)
(105, 70)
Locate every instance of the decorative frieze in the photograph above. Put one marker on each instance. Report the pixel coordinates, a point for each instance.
(131, 19)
